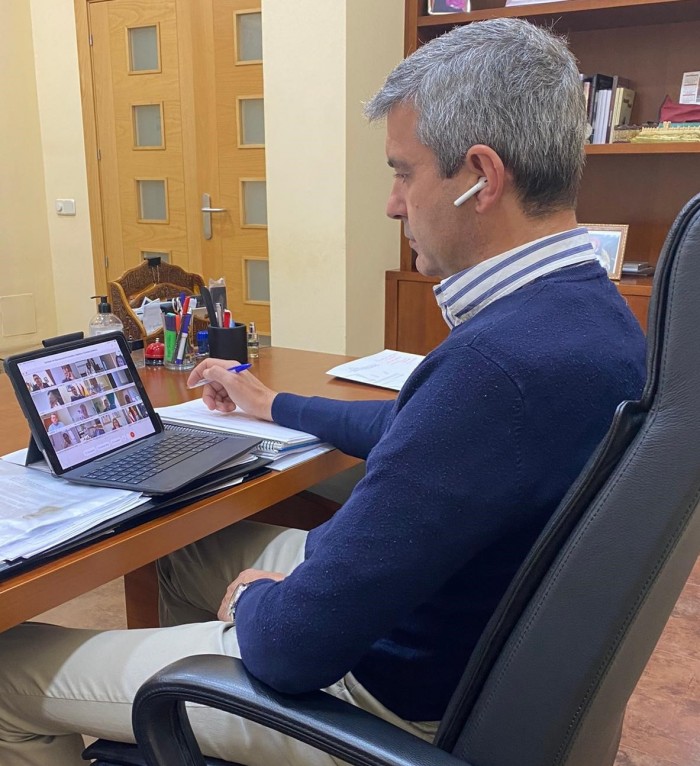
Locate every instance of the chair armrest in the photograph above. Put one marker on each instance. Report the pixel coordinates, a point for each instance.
(319, 719)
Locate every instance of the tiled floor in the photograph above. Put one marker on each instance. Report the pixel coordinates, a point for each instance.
(662, 725)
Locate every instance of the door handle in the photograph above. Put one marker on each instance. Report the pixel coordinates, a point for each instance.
(207, 210)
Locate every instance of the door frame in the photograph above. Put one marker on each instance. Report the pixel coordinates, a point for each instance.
(82, 25)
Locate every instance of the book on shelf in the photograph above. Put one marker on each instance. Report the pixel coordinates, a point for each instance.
(593, 85)
(609, 102)
(621, 105)
(586, 84)
(602, 110)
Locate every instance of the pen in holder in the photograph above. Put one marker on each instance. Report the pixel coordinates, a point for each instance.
(229, 342)
(179, 352)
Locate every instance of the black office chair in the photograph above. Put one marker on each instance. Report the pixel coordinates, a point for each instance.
(550, 678)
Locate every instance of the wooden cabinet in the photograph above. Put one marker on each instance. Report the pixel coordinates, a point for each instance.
(651, 42)
(414, 322)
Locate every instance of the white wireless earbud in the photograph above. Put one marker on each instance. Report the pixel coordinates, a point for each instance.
(478, 186)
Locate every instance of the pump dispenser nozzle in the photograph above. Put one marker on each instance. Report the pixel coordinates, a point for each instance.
(104, 321)
(104, 306)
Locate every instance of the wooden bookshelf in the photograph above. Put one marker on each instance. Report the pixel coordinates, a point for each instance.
(667, 148)
(414, 322)
(579, 14)
(650, 42)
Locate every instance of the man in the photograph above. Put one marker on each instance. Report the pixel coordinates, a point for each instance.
(74, 394)
(96, 429)
(54, 424)
(383, 604)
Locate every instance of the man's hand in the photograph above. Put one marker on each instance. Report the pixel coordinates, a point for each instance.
(246, 576)
(229, 390)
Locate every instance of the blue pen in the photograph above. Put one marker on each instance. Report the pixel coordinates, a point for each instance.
(236, 368)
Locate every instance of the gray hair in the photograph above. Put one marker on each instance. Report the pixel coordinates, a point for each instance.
(505, 83)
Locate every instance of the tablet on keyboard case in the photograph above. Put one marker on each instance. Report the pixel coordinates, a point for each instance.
(91, 418)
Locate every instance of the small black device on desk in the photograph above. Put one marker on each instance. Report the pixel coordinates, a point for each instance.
(637, 268)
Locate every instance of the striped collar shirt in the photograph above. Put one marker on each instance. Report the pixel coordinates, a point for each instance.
(464, 294)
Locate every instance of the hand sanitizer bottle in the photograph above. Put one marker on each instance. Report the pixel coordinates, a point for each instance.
(253, 342)
(104, 321)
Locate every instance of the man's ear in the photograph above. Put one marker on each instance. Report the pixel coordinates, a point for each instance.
(484, 162)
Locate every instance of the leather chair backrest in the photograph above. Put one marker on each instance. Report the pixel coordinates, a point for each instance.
(550, 679)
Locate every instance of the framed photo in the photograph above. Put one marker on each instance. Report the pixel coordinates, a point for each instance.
(609, 241)
(437, 7)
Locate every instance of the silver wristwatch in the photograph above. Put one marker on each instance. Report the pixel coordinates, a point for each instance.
(240, 589)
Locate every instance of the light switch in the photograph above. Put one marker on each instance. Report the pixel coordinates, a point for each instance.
(65, 206)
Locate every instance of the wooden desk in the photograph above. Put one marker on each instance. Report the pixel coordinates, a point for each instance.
(129, 553)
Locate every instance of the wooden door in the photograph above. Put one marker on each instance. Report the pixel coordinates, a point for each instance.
(241, 156)
(170, 81)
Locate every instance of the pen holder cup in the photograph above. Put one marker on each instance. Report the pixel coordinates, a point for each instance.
(229, 343)
(179, 353)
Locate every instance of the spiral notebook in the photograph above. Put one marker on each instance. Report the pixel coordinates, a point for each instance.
(277, 441)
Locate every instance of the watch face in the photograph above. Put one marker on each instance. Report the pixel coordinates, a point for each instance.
(234, 600)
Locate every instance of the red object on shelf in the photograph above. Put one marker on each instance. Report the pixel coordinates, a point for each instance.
(671, 111)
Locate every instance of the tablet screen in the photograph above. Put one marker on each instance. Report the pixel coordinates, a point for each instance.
(86, 399)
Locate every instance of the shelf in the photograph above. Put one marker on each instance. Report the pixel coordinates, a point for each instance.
(678, 147)
(576, 15)
(652, 42)
(630, 285)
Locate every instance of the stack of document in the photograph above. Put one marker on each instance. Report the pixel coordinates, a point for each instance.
(277, 441)
(387, 369)
(40, 511)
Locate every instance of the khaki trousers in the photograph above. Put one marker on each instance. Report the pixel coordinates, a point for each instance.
(58, 683)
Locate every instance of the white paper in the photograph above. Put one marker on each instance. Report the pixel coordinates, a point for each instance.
(152, 317)
(387, 369)
(690, 88)
(40, 511)
(196, 413)
(287, 461)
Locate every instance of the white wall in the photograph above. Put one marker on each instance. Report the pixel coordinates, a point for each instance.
(375, 47)
(304, 85)
(65, 177)
(327, 178)
(46, 259)
(26, 290)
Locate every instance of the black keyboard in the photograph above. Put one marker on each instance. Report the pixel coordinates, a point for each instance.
(146, 461)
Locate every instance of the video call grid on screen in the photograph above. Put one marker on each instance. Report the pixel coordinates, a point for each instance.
(87, 401)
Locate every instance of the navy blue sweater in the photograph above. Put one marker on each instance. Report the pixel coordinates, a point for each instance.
(463, 471)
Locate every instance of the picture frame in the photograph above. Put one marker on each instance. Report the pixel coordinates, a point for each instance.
(609, 241)
(438, 7)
